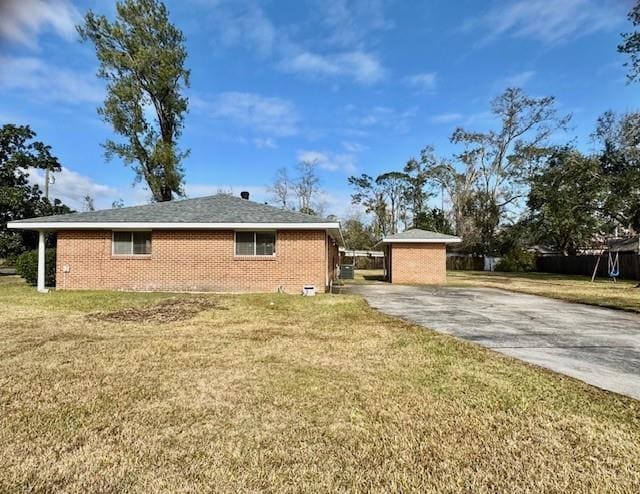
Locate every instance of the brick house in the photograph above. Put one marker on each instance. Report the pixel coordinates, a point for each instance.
(217, 243)
(417, 256)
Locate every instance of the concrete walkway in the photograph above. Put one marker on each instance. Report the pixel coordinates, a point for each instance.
(598, 346)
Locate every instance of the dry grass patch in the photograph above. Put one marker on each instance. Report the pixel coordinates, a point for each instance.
(602, 292)
(284, 393)
(165, 311)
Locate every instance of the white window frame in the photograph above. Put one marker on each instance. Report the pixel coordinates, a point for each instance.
(131, 232)
(255, 244)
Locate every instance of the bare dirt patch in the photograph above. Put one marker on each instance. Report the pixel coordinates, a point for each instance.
(170, 310)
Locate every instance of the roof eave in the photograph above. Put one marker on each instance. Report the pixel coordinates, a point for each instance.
(421, 241)
(122, 225)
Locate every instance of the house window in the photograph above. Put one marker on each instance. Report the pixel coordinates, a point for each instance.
(255, 243)
(131, 243)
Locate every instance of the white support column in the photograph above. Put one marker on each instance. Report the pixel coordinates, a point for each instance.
(41, 266)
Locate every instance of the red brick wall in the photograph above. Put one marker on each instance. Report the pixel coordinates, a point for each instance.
(414, 263)
(191, 260)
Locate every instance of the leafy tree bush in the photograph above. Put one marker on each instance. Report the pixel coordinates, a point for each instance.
(517, 260)
(142, 57)
(357, 235)
(433, 219)
(19, 198)
(27, 267)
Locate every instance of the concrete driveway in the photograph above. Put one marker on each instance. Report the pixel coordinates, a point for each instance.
(598, 346)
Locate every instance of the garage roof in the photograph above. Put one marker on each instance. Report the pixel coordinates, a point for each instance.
(418, 236)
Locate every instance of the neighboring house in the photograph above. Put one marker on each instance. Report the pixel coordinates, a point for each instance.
(417, 256)
(217, 243)
(362, 259)
(542, 250)
(629, 245)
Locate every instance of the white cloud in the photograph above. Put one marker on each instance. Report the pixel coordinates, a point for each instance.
(265, 143)
(48, 82)
(72, 187)
(352, 22)
(517, 80)
(444, 118)
(360, 66)
(383, 117)
(267, 115)
(338, 202)
(329, 161)
(551, 21)
(354, 147)
(483, 119)
(425, 81)
(243, 23)
(21, 21)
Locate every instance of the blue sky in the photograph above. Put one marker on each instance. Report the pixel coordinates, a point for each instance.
(361, 86)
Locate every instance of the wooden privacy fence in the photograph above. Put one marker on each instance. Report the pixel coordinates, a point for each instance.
(465, 263)
(584, 265)
(369, 262)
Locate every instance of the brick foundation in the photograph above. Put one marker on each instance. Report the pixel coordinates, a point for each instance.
(196, 260)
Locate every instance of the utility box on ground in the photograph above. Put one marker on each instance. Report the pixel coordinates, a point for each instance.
(346, 271)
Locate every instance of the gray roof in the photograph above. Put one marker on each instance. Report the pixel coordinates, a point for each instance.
(416, 235)
(220, 208)
(631, 244)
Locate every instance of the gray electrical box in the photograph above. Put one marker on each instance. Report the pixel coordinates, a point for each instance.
(346, 271)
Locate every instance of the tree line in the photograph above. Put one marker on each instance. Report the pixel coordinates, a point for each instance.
(515, 185)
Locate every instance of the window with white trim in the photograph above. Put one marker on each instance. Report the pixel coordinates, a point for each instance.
(131, 243)
(255, 243)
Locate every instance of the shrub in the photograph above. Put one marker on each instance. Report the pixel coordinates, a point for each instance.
(517, 260)
(27, 267)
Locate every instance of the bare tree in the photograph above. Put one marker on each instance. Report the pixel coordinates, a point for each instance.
(280, 190)
(459, 187)
(222, 191)
(88, 203)
(306, 187)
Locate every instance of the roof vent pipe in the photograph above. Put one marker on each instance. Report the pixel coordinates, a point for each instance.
(245, 195)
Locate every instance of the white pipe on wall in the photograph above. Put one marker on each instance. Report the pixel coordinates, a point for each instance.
(41, 261)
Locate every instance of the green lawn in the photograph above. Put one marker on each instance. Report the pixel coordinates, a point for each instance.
(121, 392)
(603, 292)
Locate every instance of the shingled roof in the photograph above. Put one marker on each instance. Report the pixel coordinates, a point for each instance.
(415, 235)
(217, 209)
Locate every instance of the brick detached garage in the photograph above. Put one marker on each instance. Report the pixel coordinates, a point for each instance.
(417, 256)
(217, 243)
